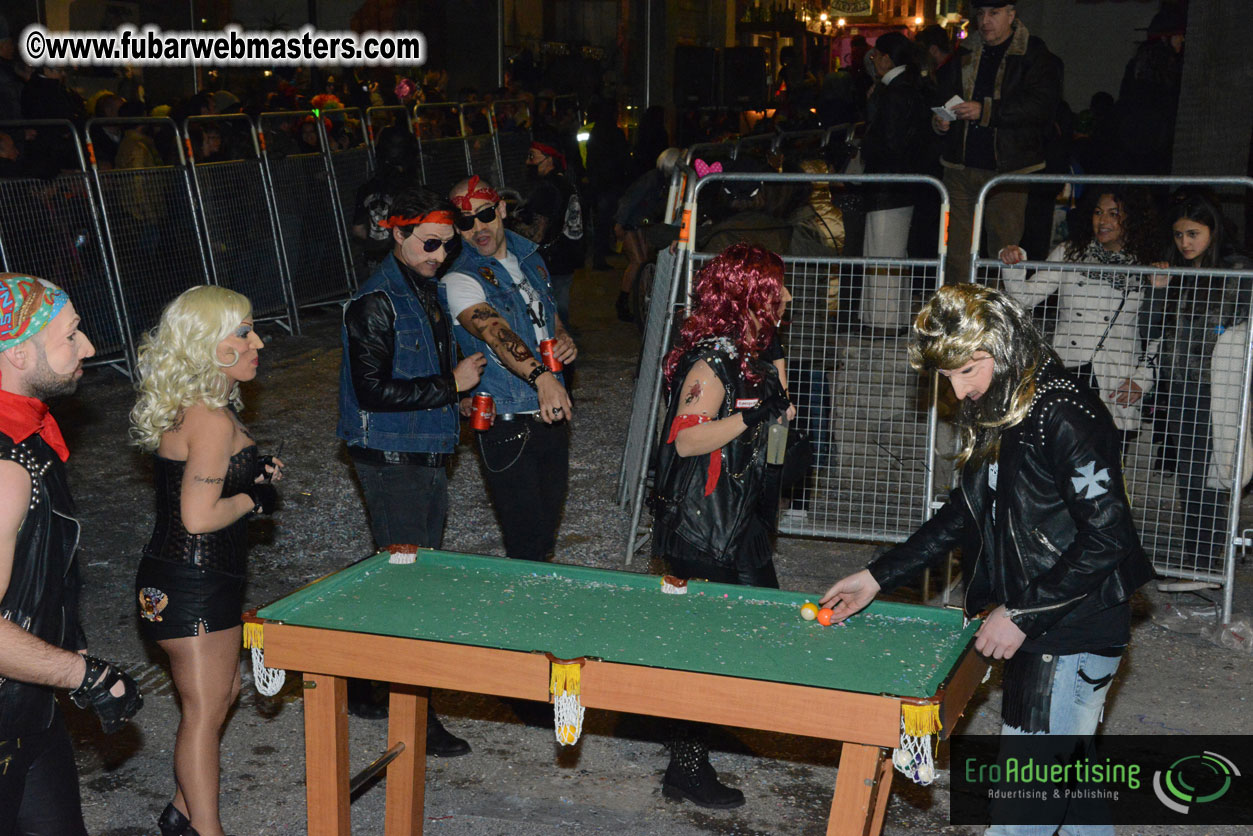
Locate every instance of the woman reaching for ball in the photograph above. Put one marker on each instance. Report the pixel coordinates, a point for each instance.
(209, 480)
(716, 500)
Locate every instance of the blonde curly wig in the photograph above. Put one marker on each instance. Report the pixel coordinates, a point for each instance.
(177, 361)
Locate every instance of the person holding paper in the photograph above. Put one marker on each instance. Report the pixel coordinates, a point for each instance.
(1010, 85)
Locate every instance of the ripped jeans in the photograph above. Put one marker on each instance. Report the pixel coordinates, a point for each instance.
(1081, 682)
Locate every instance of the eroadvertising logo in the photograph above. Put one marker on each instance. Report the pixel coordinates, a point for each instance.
(1193, 780)
(1107, 780)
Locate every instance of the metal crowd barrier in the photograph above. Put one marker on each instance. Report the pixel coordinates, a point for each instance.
(51, 229)
(871, 417)
(444, 159)
(511, 131)
(478, 134)
(378, 118)
(150, 223)
(351, 165)
(1187, 347)
(311, 228)
(239, 223)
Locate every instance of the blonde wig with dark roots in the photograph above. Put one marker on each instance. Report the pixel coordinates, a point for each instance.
(177, 361)
(962, 319)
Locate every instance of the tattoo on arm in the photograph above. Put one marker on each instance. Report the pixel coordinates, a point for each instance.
(694, 393)
(513, 345)
(482, 313)
(207, 481)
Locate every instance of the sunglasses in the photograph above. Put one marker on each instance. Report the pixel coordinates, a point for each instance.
(486, 215)
(430, 245)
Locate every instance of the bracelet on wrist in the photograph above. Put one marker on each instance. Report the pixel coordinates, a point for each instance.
(535, 375)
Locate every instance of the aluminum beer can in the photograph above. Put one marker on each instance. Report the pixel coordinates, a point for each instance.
(548, 353)
(482, 411)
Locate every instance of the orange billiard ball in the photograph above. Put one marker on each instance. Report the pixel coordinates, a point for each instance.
(824, 616)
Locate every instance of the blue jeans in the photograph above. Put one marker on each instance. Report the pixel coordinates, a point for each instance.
(1076, 708)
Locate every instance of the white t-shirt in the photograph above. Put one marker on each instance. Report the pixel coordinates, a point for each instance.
(464, 291)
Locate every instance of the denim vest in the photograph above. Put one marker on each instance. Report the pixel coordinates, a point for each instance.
(414, 355)
(510, 392)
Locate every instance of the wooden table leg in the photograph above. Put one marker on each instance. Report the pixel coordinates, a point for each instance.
(326, 755)
(406, 775)
(862, 786)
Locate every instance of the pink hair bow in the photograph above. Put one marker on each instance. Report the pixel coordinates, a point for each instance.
(703, 168)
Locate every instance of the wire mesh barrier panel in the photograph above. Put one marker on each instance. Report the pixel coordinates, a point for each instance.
(648, 376)
(49, 228)
(309, 220)
(481, 151)
(511, 121)
(444, 163)
(867, 413)
(240, 235)
(152, 232)
(863, 407)
(1167, 352)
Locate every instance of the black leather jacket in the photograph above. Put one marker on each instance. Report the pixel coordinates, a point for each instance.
(1062, 547)
(1027, 90)
(42, 596)
(713, 525)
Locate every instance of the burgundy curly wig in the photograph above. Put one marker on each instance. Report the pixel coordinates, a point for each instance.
(736, 295)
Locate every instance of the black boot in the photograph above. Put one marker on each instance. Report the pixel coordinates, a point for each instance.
(691, 776)
(623, 306)
(172, 822)
(439, 741)
(367, 699)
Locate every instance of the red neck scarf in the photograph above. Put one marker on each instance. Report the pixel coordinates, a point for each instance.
(21, 417)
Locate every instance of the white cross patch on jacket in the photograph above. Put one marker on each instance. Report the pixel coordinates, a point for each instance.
(1090, 479)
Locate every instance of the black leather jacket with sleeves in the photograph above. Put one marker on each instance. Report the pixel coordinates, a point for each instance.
(1061, 545)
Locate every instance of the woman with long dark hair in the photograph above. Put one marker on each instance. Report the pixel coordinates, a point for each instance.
(715, 499)
(1202, 324)
(1096, 333)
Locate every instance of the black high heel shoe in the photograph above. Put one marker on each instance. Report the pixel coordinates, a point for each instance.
(174, 823)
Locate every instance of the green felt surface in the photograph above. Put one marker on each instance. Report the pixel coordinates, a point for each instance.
(570, 611)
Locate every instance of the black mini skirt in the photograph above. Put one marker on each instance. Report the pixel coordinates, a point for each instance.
(175, 599)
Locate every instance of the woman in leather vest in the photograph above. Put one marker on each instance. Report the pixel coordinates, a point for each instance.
(716, 501)
(209, 480)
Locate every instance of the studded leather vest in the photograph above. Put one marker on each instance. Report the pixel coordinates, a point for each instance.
(42, 596)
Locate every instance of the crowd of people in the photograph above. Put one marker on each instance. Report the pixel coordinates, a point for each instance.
(466, 301)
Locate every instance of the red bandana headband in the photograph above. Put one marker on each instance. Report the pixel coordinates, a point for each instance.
(475, 192)
(439, 216)
(549, 151)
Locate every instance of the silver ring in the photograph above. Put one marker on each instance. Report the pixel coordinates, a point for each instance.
(557, 410)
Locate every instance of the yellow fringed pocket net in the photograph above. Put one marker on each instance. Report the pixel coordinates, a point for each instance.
(920, 724)
(563, 684)
(268, 681)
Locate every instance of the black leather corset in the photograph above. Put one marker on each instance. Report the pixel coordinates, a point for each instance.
(223, 550)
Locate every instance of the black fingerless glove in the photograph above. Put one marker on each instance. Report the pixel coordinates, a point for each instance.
(263, 465)
(264, 498)
(768, 408)
(94, 693)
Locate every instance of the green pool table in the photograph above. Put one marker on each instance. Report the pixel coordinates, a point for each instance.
(733, 655)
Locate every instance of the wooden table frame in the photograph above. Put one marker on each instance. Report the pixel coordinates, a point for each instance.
(867, 725)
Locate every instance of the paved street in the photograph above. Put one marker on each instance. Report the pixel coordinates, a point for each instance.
(517, 781)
